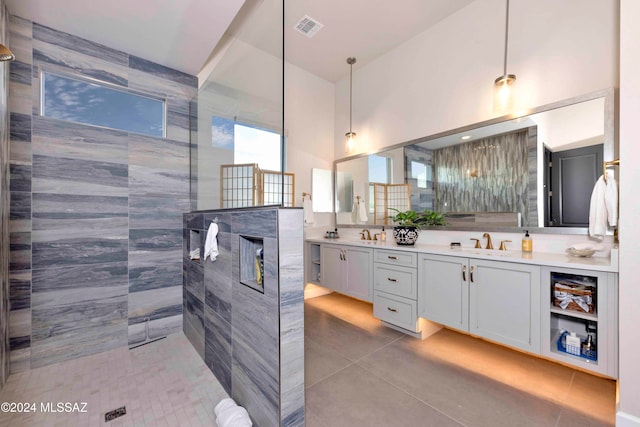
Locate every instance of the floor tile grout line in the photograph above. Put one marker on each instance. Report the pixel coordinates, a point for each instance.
(564, 398)
(408, 393)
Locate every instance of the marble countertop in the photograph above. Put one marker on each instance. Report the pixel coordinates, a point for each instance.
(550, 259)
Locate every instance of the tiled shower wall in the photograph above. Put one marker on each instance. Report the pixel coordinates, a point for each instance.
(4, 206)
(96, 214)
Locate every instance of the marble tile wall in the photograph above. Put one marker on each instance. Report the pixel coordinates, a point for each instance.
(96, 214)
(252, 342)
(4, 206)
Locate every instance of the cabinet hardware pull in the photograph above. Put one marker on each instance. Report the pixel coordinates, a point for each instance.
(392, 280)
(471, 271)
(392, 309)
(464, 273)
(392, 257)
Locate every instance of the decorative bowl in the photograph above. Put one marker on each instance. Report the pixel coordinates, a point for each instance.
(584, 253)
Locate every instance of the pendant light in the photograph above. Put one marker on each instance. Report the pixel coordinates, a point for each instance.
(351, 135)
(6, 54)
(503, 90)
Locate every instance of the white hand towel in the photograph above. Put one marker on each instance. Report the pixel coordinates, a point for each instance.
(223, 405)
(234, 417)
(307, 206)
(211, 242)
(598, 211)
(611, 200)
(362, 212)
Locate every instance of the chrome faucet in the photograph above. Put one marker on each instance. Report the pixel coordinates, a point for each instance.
(489, 244)
(365, 230)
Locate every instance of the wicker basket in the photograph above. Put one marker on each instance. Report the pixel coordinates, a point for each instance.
(576, 291)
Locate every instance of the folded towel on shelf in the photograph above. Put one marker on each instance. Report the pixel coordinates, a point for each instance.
(603, 208)
(307, 207)
(211, 242)
(362, 212)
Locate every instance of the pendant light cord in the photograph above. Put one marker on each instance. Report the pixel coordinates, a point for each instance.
(506, 39)
(351, 60)
(350, 95)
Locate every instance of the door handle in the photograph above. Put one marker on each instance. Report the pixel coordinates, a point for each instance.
(391, 279)
(394, 310)
(464, 273)
(471, 273)
(392, 257)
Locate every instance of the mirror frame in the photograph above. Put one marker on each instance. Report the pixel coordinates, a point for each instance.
(610, 152)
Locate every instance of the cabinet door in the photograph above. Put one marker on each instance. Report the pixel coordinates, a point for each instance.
(443, 293)
(359, 273)
(504, 303)
(333, 268)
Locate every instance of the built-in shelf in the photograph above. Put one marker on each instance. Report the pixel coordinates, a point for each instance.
(576, 314)
(194, 251)
(314, 267)
(252, 262)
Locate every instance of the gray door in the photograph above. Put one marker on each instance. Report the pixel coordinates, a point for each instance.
(573, 175)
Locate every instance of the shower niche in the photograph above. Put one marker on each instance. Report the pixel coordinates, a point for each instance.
(252, 262)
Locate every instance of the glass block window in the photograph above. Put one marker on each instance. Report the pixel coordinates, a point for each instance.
(90, 102)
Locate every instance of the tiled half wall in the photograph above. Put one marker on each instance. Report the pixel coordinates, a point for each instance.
(252, 340)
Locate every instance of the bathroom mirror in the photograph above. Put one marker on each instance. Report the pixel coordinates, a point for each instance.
(533, 171)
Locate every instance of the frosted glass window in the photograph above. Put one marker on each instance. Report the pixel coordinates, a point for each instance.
(101, 104)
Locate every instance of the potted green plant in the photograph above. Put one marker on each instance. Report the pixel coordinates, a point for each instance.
(428, 218)
(405, 230)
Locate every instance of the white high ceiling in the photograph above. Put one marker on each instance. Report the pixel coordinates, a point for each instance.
(181, 34)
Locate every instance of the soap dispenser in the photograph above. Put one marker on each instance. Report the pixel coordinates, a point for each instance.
(383, 235)
(527, 243)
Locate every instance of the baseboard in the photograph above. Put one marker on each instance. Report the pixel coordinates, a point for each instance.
(626, 420)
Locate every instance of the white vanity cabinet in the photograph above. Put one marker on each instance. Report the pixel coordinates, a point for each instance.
(348, 270)
(443, 294)
(596, 316)
(395, 282)
(495, 300)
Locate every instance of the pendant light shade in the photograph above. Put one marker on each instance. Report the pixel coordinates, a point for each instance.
(6, 54)
(351, 135)
(504, 86)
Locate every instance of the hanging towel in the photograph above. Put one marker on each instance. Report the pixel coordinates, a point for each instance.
(611, 200)
(362, 212)
(604, 207)
(211, 242)
(307, 207)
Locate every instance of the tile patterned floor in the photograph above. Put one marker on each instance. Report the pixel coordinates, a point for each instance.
(359, 373)
(164, 383)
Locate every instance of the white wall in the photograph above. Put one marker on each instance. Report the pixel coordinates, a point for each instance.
(443, 78)
(309, 115)
(629, 408)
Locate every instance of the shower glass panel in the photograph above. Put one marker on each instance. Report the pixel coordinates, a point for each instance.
(243, 90)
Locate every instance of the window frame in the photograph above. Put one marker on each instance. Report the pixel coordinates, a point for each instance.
(66, 74)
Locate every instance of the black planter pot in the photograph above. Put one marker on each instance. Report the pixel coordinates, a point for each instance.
(405, 235)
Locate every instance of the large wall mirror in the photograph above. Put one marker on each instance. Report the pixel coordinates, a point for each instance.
(535, 171)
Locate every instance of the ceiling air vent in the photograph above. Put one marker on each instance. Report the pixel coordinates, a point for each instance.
(308, 26)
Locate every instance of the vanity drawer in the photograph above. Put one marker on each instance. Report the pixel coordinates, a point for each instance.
(407, 259)
(396, 310)
(396, 280)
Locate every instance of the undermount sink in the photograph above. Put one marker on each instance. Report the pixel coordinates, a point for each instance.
(489, 252)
